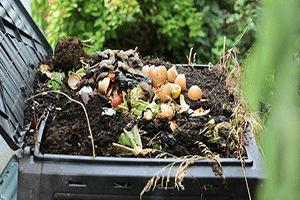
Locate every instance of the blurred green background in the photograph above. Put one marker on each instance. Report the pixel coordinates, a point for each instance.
(272, 77)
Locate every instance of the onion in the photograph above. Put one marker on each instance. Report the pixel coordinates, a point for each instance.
(195, 93)
(181, 81)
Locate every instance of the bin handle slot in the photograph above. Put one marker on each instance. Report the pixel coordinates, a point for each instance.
(122, 185)
(81, 184)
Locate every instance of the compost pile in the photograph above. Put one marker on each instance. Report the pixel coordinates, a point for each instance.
(132, 103)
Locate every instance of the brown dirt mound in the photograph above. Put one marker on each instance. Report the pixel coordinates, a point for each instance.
(68, 52)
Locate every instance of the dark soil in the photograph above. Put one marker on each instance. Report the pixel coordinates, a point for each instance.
(68, 52)
(66, 131)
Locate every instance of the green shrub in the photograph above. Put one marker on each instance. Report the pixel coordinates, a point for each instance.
(165, 29)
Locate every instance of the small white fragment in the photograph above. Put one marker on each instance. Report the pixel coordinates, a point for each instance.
(108, 111)
(85, 89)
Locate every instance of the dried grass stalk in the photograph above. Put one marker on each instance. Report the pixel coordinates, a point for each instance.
(182, 169)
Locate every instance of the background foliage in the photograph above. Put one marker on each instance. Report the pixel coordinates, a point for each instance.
(165, 29)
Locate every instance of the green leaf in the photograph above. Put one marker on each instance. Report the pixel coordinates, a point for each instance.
(138, 106)
(81, 25)
(56, 13)
(67, 15)
(136, 136)
(74, 5)
(123, 139)
(98, 22)
(58, 77)
(56, 82)
(55, 85)
(81, 70)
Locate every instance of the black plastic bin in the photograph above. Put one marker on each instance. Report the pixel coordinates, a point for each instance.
(82, 177)
(51, 176)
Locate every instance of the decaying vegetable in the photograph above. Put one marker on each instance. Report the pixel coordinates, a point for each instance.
(200, 112)
(130, 142)
(81, 71)
(173, 125)
(166, 111)
(116, 100)
(137, 93)
(184, 107)
(44, 68)
(195, 93)
(135, 103)
(138, 106)
(176, 89)
(151, 111)
(57, 80)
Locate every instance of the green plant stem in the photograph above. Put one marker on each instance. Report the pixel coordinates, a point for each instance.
(137, 136)
(124, 147)
(130, 139)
